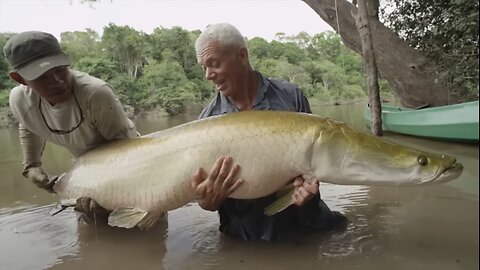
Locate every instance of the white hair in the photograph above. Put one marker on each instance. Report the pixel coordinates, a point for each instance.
(225, 34)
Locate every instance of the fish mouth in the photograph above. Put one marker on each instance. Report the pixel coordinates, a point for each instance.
(444, 175)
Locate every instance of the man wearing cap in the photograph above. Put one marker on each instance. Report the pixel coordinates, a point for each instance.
(57, 104)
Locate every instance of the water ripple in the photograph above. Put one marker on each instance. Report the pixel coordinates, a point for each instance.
(32, 239)
(193, 233)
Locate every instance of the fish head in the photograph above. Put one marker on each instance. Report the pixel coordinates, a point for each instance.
(374, 161)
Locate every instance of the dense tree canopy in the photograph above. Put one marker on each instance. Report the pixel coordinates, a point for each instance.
(160, 69)
(5, 82)
(416, 77)
(444, 30)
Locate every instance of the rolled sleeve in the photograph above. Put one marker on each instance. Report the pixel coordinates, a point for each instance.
(32, 148)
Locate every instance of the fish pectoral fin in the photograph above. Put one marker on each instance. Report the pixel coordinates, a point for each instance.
(285, 189)
(127, 217)
(281, 203)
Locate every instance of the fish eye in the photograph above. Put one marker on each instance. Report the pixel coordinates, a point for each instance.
(423, 160)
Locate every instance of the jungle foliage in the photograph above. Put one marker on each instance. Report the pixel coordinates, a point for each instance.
(446, 31)
(160, 69)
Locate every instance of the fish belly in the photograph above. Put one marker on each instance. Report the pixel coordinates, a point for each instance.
(155, 173)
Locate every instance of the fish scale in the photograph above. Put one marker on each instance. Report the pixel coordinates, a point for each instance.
(140, 178)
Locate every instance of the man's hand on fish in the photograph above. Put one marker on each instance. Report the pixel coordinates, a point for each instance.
(41, 179)
(89, 207)
(212, 189)
(304, 191)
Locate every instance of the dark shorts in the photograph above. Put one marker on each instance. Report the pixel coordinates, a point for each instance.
(245, 219)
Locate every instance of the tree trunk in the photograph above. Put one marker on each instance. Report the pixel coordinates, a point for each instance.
(372, 8)
(362, 21)
(416, 79)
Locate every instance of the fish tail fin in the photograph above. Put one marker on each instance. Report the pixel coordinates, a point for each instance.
(281, 203)
(129, 217)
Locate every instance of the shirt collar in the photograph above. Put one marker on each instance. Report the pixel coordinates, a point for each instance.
(261, 103)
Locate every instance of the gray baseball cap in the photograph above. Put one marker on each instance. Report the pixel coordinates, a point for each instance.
(33, 53)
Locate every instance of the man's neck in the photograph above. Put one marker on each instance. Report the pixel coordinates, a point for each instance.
(246, 96)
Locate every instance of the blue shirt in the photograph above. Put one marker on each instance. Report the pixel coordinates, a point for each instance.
(245, 218)
(271, 95)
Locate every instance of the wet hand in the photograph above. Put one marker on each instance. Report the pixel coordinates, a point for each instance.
(41, 179)
(212, 189)
(304, 191)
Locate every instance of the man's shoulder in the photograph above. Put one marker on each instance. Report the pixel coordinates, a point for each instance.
(89, 83)
(211, 107)
(90, 86)
(286, 95)
(21, 95)
(284, 86)
(21, 100)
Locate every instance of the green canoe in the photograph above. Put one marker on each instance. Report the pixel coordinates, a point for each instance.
(458, 122)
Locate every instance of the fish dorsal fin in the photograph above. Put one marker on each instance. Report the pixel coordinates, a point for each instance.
(127, 217)
(281, 203)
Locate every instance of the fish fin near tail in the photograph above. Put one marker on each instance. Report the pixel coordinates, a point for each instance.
(281, 203)
(127, 217)
(62, 205)
(150, 220)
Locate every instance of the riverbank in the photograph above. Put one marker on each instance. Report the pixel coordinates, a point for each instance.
(7, 120)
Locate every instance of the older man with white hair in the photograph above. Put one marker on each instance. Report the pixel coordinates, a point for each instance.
(221, 51)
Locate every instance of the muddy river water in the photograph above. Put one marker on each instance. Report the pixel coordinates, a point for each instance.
(428, 227)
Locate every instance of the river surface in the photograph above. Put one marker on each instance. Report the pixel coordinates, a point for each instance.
(429, 227)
